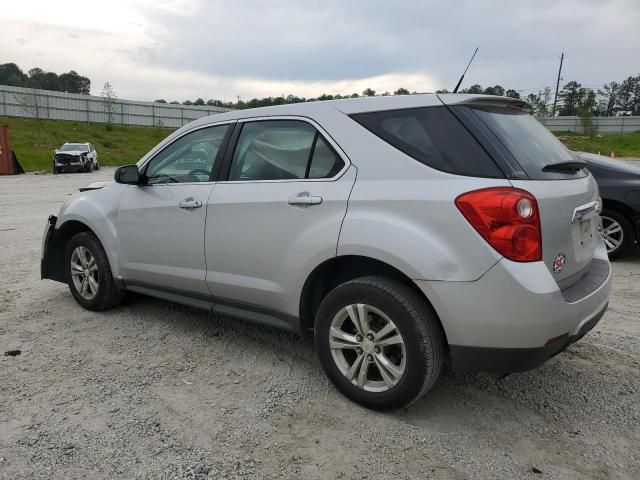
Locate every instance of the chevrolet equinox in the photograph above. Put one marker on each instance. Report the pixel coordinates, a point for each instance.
(404, 232)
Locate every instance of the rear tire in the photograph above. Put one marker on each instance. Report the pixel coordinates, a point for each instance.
(89, 274)
(618, 233)
(403, 364)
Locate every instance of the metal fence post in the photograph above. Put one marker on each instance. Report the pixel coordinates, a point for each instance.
(4, 103)
(87, 106)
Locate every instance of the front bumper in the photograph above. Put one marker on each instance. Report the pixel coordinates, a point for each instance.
(52, 253)
(65, 168)
(515, 316)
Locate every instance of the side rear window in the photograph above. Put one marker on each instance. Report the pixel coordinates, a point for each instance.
(432, 136)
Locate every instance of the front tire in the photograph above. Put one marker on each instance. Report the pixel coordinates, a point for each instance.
(89, 273)
(379, 342)
(617, 232)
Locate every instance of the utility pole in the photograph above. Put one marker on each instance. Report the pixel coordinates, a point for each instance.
(555, 98)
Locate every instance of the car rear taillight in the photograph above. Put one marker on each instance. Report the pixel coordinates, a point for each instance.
(507, 218)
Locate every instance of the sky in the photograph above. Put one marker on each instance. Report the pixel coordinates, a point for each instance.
(179, 49)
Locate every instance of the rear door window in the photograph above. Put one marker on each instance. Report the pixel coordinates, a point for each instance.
(282, 150)
(432, 136)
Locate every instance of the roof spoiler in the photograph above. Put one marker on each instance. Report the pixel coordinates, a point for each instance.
(485, 101)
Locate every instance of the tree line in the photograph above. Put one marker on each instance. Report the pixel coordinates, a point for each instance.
(70, 82)
(613, 98)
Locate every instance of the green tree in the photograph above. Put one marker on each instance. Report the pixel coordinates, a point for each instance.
(109, 99)
(630, 96)
(495, 90)
(569, 97)
(609, 96)
(402, 91)
(199, 101)
(12, 75)
(160, 100)
(512, 93)
(473, 89)
(586, 107)
(368, 92)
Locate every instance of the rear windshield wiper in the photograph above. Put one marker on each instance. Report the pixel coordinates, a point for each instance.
(572, 166)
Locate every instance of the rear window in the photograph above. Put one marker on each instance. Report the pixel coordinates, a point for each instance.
(527, 140)
(433, 136)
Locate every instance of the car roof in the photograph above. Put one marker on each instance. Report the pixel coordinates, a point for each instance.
(360, 105)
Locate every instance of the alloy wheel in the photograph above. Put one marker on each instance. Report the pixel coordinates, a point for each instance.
(367, 347)
(84, 273)
(612, 233)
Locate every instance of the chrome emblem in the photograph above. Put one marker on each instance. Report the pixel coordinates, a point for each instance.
(559, 262)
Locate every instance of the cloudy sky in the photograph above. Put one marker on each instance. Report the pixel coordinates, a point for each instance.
(183, 49)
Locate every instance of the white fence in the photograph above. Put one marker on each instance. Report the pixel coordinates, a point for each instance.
(27, 102)
(600, 124)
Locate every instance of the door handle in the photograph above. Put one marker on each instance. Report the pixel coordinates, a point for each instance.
(305, 198)
(189, 203)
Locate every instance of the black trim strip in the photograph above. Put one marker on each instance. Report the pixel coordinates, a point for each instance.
(311, 152)
(590, 281)
(217, 163)
(228, 155)
(222, 306)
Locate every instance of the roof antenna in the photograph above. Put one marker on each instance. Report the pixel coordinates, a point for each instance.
(455, 90)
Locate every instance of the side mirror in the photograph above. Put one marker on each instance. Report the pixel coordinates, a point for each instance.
(128, 175)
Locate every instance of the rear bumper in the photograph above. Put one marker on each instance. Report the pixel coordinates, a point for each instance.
(508, 360)
(515, 316)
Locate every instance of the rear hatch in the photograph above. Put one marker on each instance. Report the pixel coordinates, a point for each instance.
(536, 161)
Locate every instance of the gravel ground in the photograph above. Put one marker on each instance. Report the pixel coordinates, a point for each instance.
(156, 390)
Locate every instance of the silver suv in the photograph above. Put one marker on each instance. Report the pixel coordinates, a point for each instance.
(404, 232)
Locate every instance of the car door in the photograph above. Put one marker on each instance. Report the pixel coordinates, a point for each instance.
(276, 214)
(161, 223)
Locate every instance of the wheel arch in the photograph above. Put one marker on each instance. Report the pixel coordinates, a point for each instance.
(337, 270)
(54, 256)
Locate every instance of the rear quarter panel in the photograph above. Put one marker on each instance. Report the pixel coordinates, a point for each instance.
(403, 213)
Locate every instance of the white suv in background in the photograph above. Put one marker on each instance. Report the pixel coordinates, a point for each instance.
(402, 231)
(75, 157)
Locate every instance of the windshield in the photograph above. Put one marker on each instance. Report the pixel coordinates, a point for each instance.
(532, 145)
(74, 147)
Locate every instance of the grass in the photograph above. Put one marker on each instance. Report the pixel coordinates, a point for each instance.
(623, 144)
(34, 140)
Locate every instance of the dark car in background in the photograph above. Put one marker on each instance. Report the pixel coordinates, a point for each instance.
(75, 157)
(619, 185)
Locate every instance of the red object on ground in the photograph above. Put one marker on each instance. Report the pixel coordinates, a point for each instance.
(7, 166)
